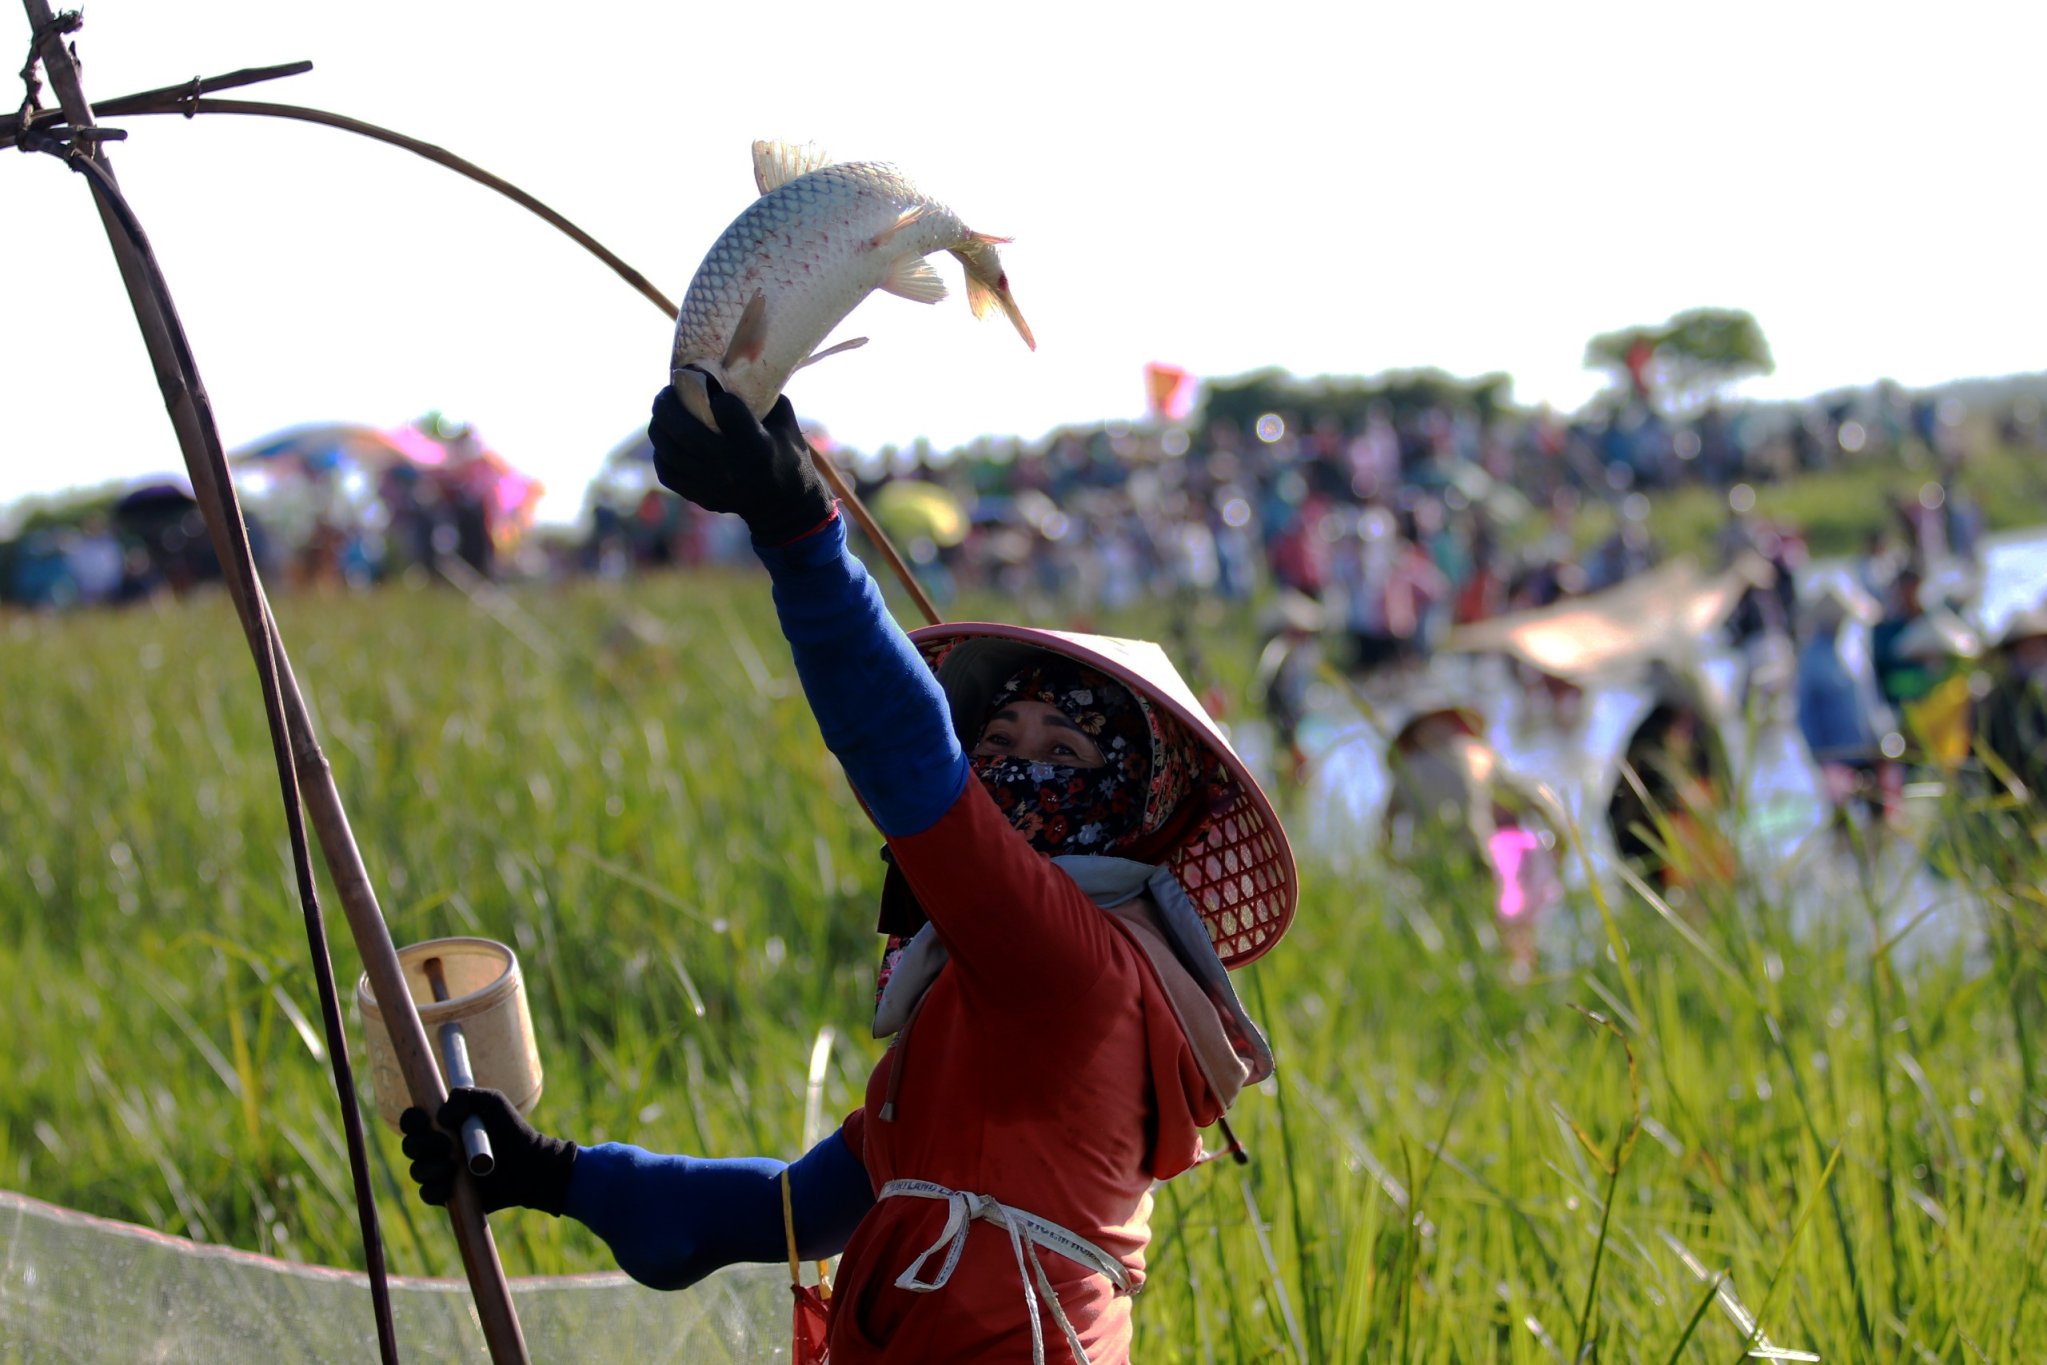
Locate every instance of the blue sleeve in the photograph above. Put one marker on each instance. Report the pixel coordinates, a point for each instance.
(671, 1220)
(878, 706)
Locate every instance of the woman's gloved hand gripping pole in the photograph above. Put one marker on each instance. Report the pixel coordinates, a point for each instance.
(669, 1220)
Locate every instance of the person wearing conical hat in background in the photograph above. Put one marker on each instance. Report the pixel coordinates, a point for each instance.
(2013, 725)
(1077, 858)
(1919, 651)
(1442, 772)
(1934, 651)
(1286, 667)
(1451, 794)
(1667, 803)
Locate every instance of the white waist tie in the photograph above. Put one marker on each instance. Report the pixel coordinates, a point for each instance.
(1027, 1232)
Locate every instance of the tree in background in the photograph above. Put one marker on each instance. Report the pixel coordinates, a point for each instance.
(1678, 367)
(1346, 399)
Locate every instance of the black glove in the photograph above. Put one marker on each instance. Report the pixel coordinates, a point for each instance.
(763, 472)
(532, 1170)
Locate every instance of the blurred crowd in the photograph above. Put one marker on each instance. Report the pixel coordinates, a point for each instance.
(1372, 525)
(327, 506)
(1401, 518)
(1401, 507)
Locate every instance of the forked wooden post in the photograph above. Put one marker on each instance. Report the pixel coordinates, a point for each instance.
(316, 783)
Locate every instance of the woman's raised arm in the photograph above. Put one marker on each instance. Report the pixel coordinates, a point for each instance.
(876, 703)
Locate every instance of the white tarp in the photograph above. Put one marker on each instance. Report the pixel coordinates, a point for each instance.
(1663, 614)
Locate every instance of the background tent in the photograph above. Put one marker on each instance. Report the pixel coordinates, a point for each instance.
(361, 500)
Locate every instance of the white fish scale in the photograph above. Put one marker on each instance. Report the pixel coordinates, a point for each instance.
(808, 248)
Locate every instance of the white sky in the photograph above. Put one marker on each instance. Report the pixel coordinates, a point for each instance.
(1330, 187)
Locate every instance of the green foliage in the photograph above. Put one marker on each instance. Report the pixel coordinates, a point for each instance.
(1690, 356)
(628, 789)
(55, 511)
(1839, 509)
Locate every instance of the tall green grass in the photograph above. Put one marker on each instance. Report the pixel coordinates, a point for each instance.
(1687, 1118)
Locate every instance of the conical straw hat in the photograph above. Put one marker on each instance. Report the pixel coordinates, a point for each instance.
(1235, 863)
(1937, 635)
(2024, 625)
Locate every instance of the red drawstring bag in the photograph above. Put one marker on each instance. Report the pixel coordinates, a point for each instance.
(812, 1318)
(813, 1326)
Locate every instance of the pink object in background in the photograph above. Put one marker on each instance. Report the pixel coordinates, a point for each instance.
(416, 446)
(1528, 877)
(1508, 847)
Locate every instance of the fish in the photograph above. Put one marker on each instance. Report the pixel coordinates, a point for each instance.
(822, 236)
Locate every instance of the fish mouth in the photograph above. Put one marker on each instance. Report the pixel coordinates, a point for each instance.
(1015, 315)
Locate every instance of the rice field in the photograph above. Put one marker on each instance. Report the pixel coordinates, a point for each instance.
(1689, 1137)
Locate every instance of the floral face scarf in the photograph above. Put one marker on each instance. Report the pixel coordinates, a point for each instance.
(1124, 808)
(1067, 809)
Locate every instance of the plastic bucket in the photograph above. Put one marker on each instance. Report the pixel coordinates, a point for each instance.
(486, 996)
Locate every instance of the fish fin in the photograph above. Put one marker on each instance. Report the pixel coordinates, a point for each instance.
(751, 335)
(775, 164)
(986, 240)
(984, 298)
(913, 278)
(913, 214)
(980, 297)
(855, 344)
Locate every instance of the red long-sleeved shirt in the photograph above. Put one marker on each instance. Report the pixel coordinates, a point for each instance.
(1045, 1068)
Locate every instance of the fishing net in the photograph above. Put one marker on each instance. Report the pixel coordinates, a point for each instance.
(78, 1288)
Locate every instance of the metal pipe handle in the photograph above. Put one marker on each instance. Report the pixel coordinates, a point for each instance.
(455, 1065)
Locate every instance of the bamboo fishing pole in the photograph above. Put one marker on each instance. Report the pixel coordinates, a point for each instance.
(199, 440)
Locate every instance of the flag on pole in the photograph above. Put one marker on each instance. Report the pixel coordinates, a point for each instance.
(1170, 392)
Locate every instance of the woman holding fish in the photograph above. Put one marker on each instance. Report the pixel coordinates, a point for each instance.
(1062, 1025)
(1077, 857)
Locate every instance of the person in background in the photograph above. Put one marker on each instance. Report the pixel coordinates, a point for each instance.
(1920, 653)
(1286, 667)
(1899, 678)
(1483, 594)
(1362, 571)
(1414, 588)
(1877, 573)
(1839, 714)
(1668, 800)
(1452, 795)
(2013, 725)
(1964, 527)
